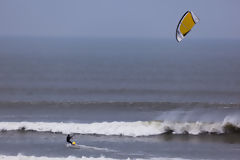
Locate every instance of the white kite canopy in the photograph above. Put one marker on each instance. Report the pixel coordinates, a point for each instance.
(187, 22)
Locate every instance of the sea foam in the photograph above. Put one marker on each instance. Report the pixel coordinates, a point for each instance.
(134, 129)
(23, 157)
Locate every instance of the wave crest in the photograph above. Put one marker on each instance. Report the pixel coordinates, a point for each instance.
(23, 157)
(134, 129)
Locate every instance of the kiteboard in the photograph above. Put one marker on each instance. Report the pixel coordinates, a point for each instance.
(75, 146)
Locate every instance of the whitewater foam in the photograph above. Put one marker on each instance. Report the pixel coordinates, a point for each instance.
(134, 129)
(78, 146)
(23, 157)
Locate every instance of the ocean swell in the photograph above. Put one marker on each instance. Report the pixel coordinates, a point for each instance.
(134, 129)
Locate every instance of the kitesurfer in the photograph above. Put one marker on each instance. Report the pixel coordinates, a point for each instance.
(69, 139)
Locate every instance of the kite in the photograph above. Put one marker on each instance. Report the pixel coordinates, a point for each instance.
(185, 25)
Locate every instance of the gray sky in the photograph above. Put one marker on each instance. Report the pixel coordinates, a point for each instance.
(117, 18)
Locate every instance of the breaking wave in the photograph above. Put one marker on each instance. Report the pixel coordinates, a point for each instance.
(230, 124)
(23, 157)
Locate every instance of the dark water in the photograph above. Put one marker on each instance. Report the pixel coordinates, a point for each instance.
(186, 147)
(184, 98)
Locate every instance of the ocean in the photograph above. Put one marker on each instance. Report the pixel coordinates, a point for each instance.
(121, 98)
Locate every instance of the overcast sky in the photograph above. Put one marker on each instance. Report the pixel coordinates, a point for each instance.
(117, 18)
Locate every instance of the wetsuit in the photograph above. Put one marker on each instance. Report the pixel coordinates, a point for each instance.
(69, 139)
